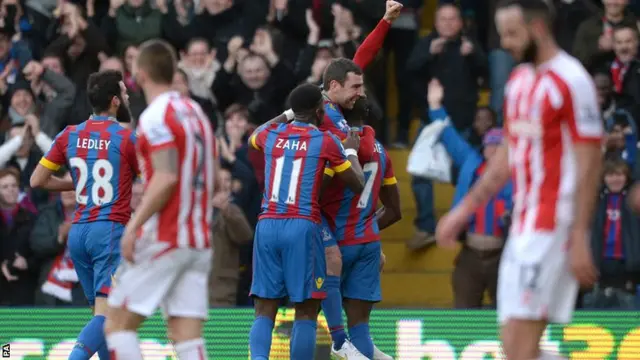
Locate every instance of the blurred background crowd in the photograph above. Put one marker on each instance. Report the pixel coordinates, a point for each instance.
(240, 58)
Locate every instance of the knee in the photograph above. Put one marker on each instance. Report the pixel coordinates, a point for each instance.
(334, 261)
(183, 329)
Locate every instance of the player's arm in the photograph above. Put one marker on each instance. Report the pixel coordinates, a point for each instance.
(345, 163)
(254, 139)
(492, 180)
(390, 213)
(161, 186)
(586, 130)
(51, 162)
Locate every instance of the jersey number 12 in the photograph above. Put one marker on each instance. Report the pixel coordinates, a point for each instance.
(101, 172)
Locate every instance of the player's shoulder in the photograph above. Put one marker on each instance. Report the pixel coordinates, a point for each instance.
(569, 71)
(156, 111)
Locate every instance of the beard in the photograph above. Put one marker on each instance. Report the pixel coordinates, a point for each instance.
(124, 114)
(530, 52)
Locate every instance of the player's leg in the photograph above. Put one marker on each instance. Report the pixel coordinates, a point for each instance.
(332, 305)
(186, 307)
(91, 337)
(267, 287)
(361, 290)
(305, 269)
(139, 292)
(104, 250)
(535, 287)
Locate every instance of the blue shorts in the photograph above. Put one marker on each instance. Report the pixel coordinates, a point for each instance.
(288, 260)
(328, 239)
(361, 271)
(95, 252)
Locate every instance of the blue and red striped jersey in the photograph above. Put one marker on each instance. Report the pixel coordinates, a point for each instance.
(488, 218)
(333, 120)
(101, 156)
(296, 155)
(350, 216)
(613, 246)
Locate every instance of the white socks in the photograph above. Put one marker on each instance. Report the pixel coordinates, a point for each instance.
(124, 345)
(191, 350)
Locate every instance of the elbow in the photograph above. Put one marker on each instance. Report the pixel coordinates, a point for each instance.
(35, 181)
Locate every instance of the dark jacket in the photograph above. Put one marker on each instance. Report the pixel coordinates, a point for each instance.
(629, 97)
(44, 245)
(458, 74)
(14, 239)
(630, 233)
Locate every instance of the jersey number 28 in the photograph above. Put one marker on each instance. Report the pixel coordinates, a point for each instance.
(101, 173)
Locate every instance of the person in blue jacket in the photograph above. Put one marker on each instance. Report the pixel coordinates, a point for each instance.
(476, 267)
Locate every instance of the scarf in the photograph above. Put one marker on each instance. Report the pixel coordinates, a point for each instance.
(61, 277)
(618, 70)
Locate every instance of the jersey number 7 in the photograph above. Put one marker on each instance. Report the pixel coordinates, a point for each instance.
(101, 173)
(370, 172)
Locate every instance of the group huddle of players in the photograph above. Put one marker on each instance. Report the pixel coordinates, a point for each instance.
(318, 236)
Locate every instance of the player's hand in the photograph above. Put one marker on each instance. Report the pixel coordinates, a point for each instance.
(383, 260)
(393, 11)
(128, 244)
(437, 45)
(353, 140)
(435, 94)
(20, 262)
(450, 226)
(581, 258)
(467, 47)
(33, 70)
(5, 271)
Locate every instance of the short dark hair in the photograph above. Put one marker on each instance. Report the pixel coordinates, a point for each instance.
(102, 87)
(158, 60)
(197, 40)
(305, 99)
(613, 165)
(360, 111)
(337, 70)
(633, 29)
(532, 9)
(10, 171)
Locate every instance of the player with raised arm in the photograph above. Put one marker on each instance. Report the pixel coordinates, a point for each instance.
(353, 222)
(101, 156)
(288, 250)
(167, 243)
(553, 134)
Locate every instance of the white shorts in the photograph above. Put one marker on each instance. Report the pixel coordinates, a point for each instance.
(535, 281)
(176, 280)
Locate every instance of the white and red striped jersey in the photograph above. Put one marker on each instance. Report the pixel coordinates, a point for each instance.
(547, 110)
(173, 121)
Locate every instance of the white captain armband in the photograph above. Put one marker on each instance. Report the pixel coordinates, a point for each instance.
(351, 152)
(289, 114)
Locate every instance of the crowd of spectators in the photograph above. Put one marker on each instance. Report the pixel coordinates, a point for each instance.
(239, 59)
